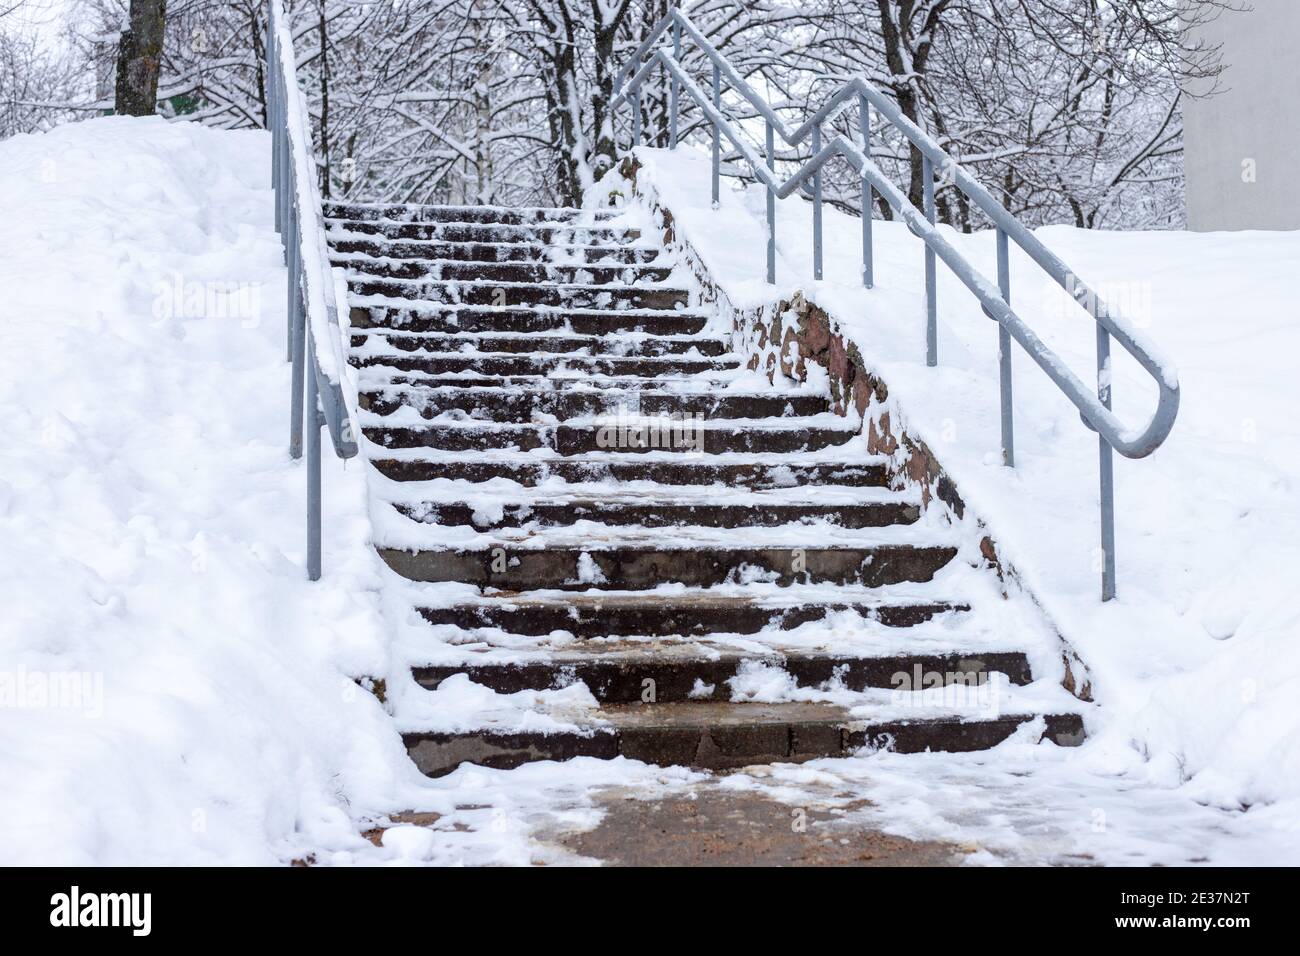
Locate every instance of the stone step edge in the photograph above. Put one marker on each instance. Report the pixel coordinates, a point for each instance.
(718, 747)
(686, 672)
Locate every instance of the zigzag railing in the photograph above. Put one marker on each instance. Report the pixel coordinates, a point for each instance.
(313, 320)
(1094, 408)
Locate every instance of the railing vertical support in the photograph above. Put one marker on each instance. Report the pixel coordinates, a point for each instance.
(672, 88)
(275, 171)
(273, 125)
(281, 201)
(717, 136)
(771, 206)
(636, 116)
(1004, 356)
(1106, 468)
(817, 206)
(313, 476)
(297, 325)
(868, 257)
(931, 306)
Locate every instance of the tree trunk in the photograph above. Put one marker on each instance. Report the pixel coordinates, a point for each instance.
(602, 92)
(569, 124)
(485, 194)
(139, 55)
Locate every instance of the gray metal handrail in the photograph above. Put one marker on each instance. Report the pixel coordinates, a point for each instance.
(313, 319)
(1094, 409)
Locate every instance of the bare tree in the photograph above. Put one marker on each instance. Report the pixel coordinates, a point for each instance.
(1068, 109)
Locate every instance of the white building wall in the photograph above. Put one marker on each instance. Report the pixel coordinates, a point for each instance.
(1242, 146)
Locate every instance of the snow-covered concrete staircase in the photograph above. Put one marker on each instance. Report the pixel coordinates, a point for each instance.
(587, 487)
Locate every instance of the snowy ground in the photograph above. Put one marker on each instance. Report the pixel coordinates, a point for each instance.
(172, 689)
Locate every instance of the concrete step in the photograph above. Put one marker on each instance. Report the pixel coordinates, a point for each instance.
(508, 365)
(711, 735)
(649, 512)
(420, 212)
(779, 436)
(683, 615)
(517, 405)
(673, 674)
(451, 270)
(762, 472)
(446, 318)
(548, 343)
(382, 247)
(513, 567)
(555, 295)
(532, 234)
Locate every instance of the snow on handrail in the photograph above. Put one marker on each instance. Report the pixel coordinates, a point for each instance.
(313, 323)
(1094, 409)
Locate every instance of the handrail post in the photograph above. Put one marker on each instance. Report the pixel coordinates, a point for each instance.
(281, 162)
(672, 87)
(313, 476)
(286, 174)
(297, 326)
(1106, 469)
(1004, 355)
(636, 116)
(817, 206)
(931, 306)
(717, 136)
(273, 124)
(287, 232)
(868, 257)
(770, 143)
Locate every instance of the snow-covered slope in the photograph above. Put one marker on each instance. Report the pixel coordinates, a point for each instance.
(1198, 663)
(153, 524)
(172, 689)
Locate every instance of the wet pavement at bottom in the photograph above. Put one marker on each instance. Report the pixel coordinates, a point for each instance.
(717, 827)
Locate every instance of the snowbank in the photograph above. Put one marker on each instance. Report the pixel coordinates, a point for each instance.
(172, 688)
(154, 525)
(1197, 663)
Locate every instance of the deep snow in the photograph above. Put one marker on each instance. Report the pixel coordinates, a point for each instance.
(172, 688)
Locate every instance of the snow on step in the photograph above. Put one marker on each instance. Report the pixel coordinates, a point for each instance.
(410, 212)
(733, 470)
(424, 316)
(548, 342)
(563, 233)
(344, 245)
(456, 270)
(714, 735)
